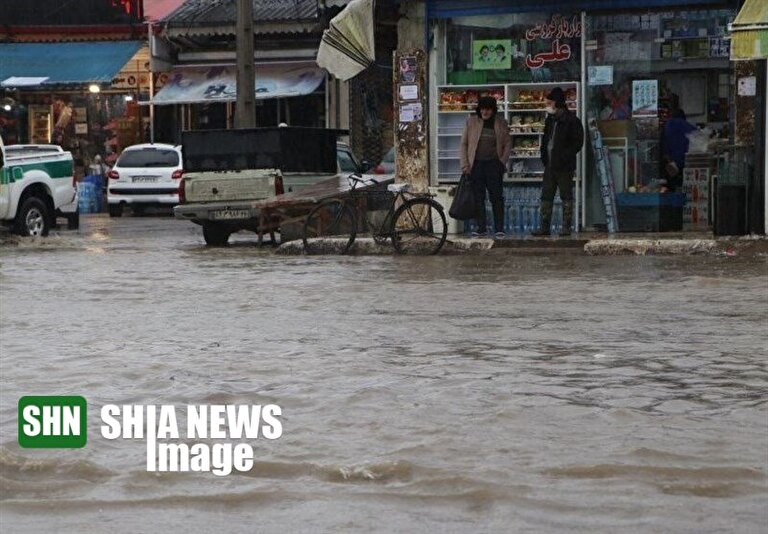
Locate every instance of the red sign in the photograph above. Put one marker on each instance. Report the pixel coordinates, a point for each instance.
(557, 28)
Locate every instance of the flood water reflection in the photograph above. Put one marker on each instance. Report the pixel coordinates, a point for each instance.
(491, 393)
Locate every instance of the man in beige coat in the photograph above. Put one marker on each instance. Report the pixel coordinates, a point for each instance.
(485, 148)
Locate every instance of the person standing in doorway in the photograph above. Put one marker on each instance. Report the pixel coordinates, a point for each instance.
(562, 140)
(485, 148)
(675, 146)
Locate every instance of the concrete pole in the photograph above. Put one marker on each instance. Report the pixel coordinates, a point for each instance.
(151, 87)
(245, 113)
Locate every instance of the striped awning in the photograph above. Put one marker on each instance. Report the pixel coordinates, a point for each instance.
(749, 31)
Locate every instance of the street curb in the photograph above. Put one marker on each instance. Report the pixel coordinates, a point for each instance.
(645, 247)
(366, 246)
(756, 246)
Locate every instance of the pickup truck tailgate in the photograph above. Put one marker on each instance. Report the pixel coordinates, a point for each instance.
(252, 184)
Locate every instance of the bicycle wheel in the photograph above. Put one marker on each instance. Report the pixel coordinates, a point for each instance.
(419, 227)
(331, 219)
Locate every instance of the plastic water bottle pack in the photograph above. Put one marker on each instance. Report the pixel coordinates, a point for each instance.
(521, 211)
(87, 202)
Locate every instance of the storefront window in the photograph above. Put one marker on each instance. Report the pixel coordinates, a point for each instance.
(526, 47)
(86, 124)
(656, 81)
(644, 68)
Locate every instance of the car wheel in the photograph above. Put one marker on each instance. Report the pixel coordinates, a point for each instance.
(115, 210)
(216, 235)
(73, 221)
(33, 218)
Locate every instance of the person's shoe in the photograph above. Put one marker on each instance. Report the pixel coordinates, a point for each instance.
(541, 232)
(499, 235)
(476, 235)
(565, 232)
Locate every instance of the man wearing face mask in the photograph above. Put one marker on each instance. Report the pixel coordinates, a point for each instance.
(485, 148)
(562, 140)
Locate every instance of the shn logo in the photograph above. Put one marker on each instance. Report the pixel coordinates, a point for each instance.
(52, 422)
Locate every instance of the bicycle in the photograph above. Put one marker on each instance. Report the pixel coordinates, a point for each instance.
(416, 226)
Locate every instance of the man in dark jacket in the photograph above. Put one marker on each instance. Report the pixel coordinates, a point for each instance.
(562, 140)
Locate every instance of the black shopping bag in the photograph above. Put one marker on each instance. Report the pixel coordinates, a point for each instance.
(463, 206)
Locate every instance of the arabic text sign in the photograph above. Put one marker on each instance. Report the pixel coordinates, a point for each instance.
(645, 98)
(558, 52)
(557, 28)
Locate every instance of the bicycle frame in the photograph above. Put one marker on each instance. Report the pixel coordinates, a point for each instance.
(385, 229)
(414, 222)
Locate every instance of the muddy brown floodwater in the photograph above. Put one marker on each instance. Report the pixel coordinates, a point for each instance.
(441, 394)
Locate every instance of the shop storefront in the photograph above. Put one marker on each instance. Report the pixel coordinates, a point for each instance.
(630, 69)
(660, 82)
(81, 96)
(204, 97)
(516, 58)
(196, 45)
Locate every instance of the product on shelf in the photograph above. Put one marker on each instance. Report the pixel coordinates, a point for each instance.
(452, 101)
(522, 105)
(466, 100)
(498, 94)
(525, 147)
(533, 124)
(528, 99)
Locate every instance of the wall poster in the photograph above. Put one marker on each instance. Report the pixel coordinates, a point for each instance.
(491, 54)
(645, 98)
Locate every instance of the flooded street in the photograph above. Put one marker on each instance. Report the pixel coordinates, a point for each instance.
(493, 393)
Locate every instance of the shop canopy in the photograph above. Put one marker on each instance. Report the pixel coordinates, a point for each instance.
(462, 8)
(46, 64)
(209, 84)
(749, 31)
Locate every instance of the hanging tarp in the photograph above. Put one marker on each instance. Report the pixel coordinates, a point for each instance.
(193, 85)
(347, 47)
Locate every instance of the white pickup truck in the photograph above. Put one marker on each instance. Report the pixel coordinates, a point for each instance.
(226, 171)
(36, 182)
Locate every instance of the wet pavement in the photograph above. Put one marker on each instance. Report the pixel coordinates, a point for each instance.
(462, 393)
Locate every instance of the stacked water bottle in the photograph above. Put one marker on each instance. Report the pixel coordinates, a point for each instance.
(521, 211)
(89, 194)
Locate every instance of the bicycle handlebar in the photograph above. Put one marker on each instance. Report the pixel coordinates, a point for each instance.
(358, 178)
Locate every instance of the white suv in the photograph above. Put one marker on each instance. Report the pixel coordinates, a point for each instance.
(145, 175)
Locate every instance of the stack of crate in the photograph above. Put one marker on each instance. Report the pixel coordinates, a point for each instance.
(696, 186)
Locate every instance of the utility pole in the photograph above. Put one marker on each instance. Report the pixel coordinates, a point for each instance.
(245, 112)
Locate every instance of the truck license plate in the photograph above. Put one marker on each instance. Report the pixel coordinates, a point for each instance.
(220, 215)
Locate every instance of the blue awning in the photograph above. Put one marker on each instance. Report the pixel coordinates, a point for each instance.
(63, 63)
(462, 8)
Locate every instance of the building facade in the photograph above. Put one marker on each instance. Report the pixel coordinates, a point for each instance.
(626, 66)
